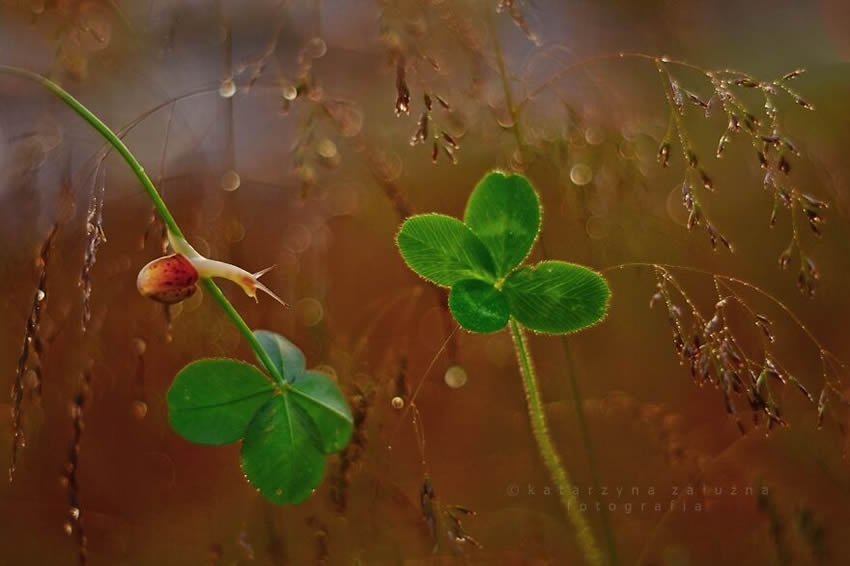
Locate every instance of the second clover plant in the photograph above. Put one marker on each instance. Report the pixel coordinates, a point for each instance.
(480, 259)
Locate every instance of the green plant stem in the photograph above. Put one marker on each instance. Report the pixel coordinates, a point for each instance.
(607, 529)
(547, 450)
(157, 201)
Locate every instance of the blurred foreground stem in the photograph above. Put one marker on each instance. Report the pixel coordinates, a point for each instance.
(157, 201)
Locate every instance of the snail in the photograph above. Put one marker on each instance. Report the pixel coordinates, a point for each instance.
(173, 278)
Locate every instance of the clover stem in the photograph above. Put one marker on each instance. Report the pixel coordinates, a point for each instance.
(547, 450)
(157, 201)
(514, 113)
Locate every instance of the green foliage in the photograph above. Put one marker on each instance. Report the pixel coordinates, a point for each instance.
(556, 297)
(444, 250)
(285, 355)
(504, 212)
(212, 401)
(480, 260)
(478, 305)
(286, 430)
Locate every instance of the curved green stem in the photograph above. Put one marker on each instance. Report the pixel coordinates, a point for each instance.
(547, 450)
(157, 201)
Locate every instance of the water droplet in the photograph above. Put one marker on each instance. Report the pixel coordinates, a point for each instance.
(309, 311)
(289, 93)
(74, 512)
(597, 227)
(326, 148)
(316, 47)
(227, 88)
(455, 377)
(278, 492)
(68, 528)
(230, 180)
(581, 174)
(30, 379)
(397, 403)
(675, 210)
(140, 346)
(39, 295)
(594, 135)
(140, 409)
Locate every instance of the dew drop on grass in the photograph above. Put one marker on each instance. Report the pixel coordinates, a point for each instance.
(581, 174)
(397, 403)
(230, 180)
(227, 88)
(455, 377)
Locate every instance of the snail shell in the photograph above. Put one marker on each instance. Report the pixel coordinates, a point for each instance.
(169, 279)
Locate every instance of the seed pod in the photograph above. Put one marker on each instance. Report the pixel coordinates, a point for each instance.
(169, 279)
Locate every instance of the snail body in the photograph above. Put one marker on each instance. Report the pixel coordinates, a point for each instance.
(174, 278)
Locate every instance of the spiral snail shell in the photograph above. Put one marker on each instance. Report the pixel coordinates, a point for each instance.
(173, 278)
(169, 279)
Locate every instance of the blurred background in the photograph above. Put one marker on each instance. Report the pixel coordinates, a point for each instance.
(282, 132)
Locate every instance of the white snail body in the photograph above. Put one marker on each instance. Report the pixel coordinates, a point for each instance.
(173, 278)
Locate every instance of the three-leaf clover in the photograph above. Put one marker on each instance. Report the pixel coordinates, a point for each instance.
(479, 259)
(286, 432)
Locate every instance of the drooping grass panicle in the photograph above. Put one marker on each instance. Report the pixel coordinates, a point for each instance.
(715, 349)
(772, 147)
(94, 237)
(29, 360)
(74, 524)
(407, 50)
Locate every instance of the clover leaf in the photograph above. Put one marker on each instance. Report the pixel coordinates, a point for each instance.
(479, 259)
(286, 431)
